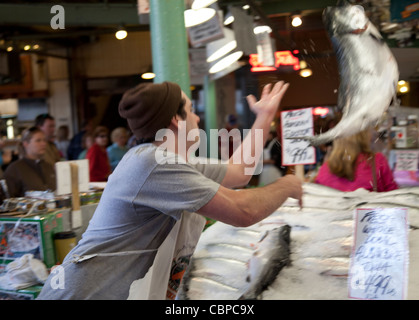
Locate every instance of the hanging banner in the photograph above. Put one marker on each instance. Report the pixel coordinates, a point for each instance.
(380, 254)
(205, 32)
(297, 123)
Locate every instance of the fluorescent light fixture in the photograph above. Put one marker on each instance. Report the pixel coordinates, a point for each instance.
(226, 62)
(229, 19)
(195, 17)
(199, 4)
(262, 29)
(218, 48)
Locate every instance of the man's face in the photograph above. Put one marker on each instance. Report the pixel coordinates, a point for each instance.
(192, 119)
(49, 129)
(35, 148)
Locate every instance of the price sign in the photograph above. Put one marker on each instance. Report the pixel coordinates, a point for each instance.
(407, 160)
(297, 123)
(380, 255)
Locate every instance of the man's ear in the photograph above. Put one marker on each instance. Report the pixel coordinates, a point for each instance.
(175, 121)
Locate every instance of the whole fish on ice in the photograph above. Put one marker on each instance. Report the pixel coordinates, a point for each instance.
(225, 267)
(267, 261)
(368, 71)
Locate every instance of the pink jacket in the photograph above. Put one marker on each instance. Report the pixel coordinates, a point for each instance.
(363, 176)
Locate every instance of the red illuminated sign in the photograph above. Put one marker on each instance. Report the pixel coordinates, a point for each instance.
(320, 111)
(282, 58)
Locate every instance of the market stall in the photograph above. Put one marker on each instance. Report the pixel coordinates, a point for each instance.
(35, 234)
(319, 250)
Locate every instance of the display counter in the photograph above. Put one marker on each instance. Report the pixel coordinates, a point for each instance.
(22, 234)
(228, 259)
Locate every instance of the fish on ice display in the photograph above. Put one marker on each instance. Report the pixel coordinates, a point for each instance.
(236, 263)
(313, 260)
(368, 71)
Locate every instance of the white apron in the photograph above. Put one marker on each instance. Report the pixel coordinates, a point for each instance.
(162, 280)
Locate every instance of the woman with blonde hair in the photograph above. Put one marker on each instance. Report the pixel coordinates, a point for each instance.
(353, 165)
(119, 148)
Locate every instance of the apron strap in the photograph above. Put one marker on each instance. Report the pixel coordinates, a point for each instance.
(77, 258)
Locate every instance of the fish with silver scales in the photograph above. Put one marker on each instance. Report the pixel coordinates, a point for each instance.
(368, 71)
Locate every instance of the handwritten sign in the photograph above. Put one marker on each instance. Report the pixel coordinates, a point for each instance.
(297, 123)
(380, 255)
(407, 160)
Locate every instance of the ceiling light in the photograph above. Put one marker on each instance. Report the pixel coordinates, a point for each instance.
(226, 62)
(195, 17)
(306, 73)
(403, 86)
(303, 64)
(229, 19)
(219, 48)
(246, 7)
(9, 49)
(27, 47)
(404, 89)
(262, 29)
(148, 75)
(199, 4)
(121, 34)
(296, 21)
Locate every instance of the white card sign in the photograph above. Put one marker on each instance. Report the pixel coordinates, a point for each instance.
(205, 32)
(380, 255)
(297, 123)
(407, 160)
(63, 173)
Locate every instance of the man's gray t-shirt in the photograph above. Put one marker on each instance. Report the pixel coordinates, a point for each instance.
(141, 203)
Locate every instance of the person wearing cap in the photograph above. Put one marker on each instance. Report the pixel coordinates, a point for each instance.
(152, 210)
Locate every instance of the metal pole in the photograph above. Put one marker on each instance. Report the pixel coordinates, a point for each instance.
(169, 43)
(210, 113)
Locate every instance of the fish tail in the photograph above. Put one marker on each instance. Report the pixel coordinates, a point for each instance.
(315, 140)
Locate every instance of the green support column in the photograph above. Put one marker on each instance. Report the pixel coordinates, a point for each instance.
(210, 115)
(169, 43)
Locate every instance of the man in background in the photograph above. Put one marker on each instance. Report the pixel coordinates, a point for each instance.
(46, 123)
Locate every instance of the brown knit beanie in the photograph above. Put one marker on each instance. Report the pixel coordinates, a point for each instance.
(149, 107)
